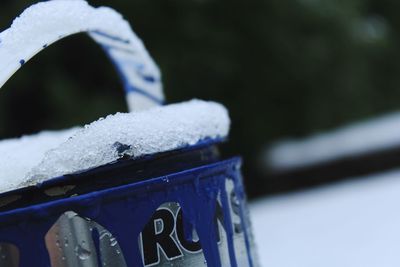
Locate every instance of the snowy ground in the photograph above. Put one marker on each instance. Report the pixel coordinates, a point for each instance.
(359, 138)
(350, 224)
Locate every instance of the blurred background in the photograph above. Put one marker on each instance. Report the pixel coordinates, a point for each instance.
(286, 69)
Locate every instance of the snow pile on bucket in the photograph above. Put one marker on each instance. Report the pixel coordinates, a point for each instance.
(18, 156)
(136, 134)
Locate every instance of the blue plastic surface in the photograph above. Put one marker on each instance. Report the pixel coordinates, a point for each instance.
(124, 211)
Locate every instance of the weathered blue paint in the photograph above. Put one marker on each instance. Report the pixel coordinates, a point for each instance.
(129, 87)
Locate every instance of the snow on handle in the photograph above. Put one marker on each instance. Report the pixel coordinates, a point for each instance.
(45, 23)
(153, 130)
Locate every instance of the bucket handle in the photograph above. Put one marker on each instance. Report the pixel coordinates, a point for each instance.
(45, 23)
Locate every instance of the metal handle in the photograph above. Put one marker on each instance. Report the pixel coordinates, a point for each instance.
(45, 23)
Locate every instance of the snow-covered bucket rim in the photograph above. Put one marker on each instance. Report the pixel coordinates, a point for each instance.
(151, 129)
(36, 158)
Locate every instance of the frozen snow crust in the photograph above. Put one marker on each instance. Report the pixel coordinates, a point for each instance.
(20, 155)
(33, 159)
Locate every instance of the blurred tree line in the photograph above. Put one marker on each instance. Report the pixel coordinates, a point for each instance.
(283, 68)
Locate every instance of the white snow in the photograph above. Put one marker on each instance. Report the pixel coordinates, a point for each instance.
(18, 156)
(47, 22)
(350, 224)
(371, 135)
(152, 128)
(33, 159)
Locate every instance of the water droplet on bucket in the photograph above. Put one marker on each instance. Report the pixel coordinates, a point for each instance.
(58, 245)
(82, 252)
(113, 241)
(103, 234)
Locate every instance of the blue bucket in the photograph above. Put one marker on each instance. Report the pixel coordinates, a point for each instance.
(180, 208)
(183, 207)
